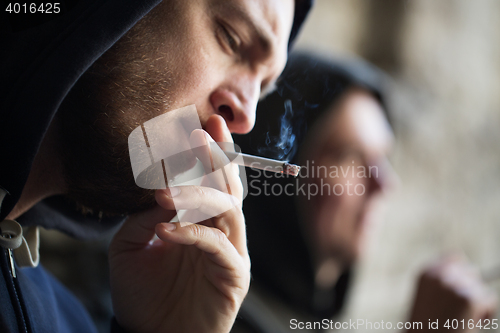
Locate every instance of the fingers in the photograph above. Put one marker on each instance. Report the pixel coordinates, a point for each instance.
(218, 202)
(206, 200)
(139, 229)
(221, 209)
(459, 286)
(211, 154)
(212, 241)
(200, 146)
(215, 162)
(217, 128)
(220, 173)
(218, 132)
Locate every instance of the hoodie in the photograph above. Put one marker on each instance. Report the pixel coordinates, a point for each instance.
(41, 58)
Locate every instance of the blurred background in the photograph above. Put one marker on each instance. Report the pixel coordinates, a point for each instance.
(444, 59)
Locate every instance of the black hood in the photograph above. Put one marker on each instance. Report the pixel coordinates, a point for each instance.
(41, 57)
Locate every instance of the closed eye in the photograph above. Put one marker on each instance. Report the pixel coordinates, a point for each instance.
(229, 37)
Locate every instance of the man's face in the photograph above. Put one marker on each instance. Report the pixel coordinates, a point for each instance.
(219, 55)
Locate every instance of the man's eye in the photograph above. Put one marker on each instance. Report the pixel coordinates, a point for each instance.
(229, 39)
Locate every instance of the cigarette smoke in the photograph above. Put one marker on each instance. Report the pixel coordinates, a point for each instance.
(282, 146)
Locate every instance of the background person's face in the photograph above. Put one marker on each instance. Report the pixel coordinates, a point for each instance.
(218, 55)
(353, 144)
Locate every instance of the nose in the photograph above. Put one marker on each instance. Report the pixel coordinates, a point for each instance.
(237, 104)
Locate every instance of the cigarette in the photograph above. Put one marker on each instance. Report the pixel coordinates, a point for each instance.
(263, 163)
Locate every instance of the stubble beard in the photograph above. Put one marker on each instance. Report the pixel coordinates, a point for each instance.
(122, 90)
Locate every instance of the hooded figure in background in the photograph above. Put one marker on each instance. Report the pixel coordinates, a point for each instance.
(284, 250)
(305, 234)
(77, 77)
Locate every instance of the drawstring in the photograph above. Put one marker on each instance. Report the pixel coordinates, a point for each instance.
(12, 234)
(23, 248)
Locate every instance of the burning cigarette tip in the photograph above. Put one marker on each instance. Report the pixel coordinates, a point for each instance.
(291, 169)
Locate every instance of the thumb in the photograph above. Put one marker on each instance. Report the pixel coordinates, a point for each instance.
(210, 240)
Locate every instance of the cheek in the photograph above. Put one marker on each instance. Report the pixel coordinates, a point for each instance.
(338, 213)
(188, 52)
(190, 77)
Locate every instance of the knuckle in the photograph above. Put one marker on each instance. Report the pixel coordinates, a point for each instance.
(220, 237)
(197, 232)
(199, 191)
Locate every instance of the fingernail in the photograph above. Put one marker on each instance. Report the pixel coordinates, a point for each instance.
(172, 192)
(169, 226)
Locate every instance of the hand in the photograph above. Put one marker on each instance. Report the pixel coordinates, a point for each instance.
(193, 278)
(452, 289)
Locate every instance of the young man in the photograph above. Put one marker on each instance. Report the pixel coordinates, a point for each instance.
(77, 78)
